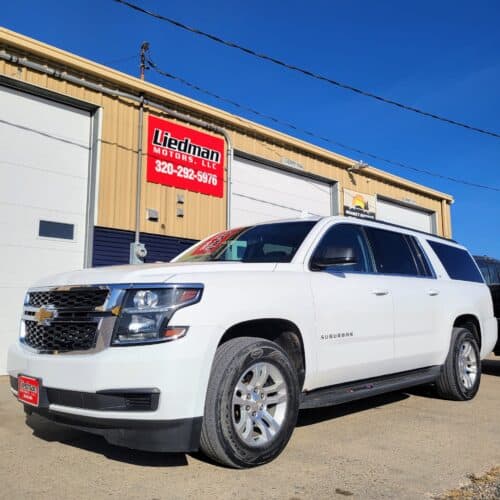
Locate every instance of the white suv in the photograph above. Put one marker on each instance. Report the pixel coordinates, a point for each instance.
(221, 348)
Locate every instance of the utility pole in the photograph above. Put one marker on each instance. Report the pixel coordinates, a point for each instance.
(143, 66)
(138, 250)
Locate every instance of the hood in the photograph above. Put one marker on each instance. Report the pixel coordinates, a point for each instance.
(146, 273)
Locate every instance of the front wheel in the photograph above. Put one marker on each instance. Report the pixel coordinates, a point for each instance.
(461, 373)
(252, 403)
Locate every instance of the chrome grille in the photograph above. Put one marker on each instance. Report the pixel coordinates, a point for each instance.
(63, 320)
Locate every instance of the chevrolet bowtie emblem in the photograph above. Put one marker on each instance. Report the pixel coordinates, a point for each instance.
(43, 315)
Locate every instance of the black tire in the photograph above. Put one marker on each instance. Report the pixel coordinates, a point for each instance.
(450, 384)
(219, 438)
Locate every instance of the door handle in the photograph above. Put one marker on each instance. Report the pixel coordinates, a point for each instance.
(380, 292)
(432, 293)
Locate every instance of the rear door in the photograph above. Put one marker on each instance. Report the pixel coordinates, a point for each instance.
(403, 266)
(354, 313)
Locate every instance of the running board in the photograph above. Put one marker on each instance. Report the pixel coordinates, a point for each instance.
(351, 391)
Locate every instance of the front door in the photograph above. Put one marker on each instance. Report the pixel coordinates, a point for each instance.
(354, 312)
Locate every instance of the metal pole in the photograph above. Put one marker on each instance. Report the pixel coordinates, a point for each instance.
(228, 179)
(139, 173)
(143, 67)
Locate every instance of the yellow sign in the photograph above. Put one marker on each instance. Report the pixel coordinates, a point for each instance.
(359, 204)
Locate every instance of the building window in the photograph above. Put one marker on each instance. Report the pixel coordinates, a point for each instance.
(60, 230)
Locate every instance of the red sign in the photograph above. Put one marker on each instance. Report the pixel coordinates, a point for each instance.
(185, 158)
(28, 390)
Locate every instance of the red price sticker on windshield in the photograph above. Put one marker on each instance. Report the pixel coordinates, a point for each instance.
(215, 242)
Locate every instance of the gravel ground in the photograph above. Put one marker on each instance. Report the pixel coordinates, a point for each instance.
(485, 487)
(404, 445)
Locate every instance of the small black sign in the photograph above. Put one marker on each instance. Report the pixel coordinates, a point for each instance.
(359, 212)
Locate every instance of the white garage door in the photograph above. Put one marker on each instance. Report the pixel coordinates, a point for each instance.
(260, 193)
(405, 216)
(44, 164)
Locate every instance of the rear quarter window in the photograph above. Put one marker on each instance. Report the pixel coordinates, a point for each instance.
(458, 263)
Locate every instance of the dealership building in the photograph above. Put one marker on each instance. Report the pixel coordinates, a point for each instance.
(98, 167)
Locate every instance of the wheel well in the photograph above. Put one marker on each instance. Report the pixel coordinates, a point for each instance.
(283, 332)
(472, 323)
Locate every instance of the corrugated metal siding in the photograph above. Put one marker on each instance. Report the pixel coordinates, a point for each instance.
(203, 214)
(112, 246)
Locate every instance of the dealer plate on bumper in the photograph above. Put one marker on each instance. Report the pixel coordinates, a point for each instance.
(28, 390)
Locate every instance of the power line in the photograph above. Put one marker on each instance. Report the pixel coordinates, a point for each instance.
(306, 72)
(309, 133)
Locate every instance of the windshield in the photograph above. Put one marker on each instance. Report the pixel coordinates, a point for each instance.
(276, 242)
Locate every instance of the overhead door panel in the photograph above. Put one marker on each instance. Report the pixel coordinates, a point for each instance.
(44, 165)
(403, 215)
(260, 193)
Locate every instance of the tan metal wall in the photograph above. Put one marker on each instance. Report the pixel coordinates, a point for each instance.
(363, 181)
(203, 214)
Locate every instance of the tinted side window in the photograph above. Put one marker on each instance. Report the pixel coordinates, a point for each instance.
(345, 236)
(457, 262)
(392, 252)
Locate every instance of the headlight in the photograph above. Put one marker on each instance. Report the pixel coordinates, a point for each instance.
(145, 314)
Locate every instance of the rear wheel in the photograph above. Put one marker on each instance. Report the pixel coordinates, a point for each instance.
(461, 374)
(252, 403)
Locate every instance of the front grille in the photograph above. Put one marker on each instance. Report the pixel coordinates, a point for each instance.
(87, 299)
(62, 337)
(113, 400)
(72, 320)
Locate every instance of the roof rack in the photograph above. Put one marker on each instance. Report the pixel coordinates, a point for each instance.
(405, 227)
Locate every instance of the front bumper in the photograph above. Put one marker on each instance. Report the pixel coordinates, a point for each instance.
(180, 435)
(171, 436)
(179, 370)
(176, 373)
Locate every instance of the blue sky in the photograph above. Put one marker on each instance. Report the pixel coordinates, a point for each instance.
(439, 56)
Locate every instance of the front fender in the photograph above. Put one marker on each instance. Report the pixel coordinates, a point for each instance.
(232, 298)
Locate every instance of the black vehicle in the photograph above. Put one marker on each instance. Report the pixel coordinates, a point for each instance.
(491, 271)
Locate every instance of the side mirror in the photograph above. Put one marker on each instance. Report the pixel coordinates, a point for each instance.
(334, 256)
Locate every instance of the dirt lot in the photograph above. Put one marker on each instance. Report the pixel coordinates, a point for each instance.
(402, 445)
